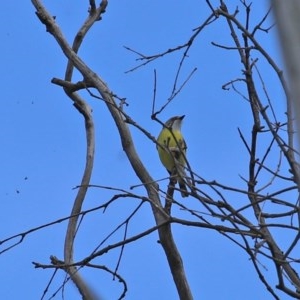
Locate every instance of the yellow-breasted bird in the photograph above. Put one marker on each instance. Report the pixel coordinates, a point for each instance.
(171, 149)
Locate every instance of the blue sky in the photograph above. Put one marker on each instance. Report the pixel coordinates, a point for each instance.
(43, 145)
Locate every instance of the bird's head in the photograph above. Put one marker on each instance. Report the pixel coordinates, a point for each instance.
(175, 122)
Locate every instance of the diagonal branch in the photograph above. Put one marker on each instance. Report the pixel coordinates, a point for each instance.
(165, 234)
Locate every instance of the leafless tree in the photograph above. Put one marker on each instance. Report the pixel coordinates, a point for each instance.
(269, 202)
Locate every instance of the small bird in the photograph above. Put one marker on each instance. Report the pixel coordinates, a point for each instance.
(171, 150)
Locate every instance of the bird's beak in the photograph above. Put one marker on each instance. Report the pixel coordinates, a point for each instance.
(182, 117)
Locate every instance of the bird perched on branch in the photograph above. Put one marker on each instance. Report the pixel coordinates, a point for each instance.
(171, 149)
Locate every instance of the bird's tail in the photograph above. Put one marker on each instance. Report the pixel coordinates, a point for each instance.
(181, 175)
(182, 185)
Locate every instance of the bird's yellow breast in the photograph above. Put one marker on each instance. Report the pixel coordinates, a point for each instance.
(172, 148)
